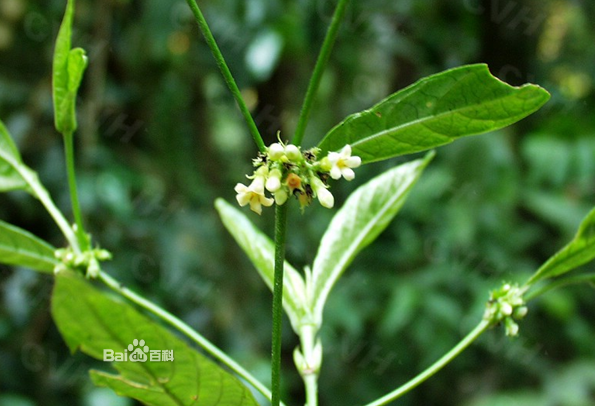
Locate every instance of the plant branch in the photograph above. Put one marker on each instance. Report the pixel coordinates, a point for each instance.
(573, 280)
(323, 58)
(227, 76)
(310, 370)
(185, 329)
(76, 208)
(44, 197)
(438, 365)
(311, 385)
(280, 234)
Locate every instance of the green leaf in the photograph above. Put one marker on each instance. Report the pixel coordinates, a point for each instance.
(261, 251)
(69, 66)
(365, 214)
(21, 248)
(10, 163)
(577, 252)
(435, 111)
(91, 321)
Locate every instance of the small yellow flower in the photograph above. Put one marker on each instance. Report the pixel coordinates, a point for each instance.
(253, 195)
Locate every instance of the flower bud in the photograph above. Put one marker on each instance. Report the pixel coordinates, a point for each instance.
(274, 181)
(520, 312)
(276, 151)
(281, 196)
(506, 308)
(512, 329)
(292, 152)
(325, 197)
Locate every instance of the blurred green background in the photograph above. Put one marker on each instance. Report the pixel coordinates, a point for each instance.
(160, 139)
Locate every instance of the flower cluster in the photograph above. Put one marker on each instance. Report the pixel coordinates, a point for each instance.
(285, 171)
(506, 305)
(87, 262)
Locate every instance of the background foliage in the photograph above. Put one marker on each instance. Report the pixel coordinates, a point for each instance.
(160, 139)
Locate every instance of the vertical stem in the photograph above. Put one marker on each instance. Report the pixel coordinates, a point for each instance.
(280, 234)
(227, 76)
(310, 373)
(323, 57)
(76, 208)
(311, 384)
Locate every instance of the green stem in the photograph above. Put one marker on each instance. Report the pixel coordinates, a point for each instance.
(452, 354)
(185, 329)
(76, 208)
(311, 385)
(280, 234)
(44, 197)
(560, 283)
(310, 374)
(227, 76)
(323, 57)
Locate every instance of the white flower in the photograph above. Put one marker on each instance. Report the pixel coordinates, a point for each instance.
(342, 163)
(325, 197)
(253, 194)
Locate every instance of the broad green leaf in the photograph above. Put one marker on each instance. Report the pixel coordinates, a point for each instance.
(435, 111)
(365, 214)
(10, 162)
(577, 252)
(68, 68)
(20, 247)
(91, 321)
(261, 251)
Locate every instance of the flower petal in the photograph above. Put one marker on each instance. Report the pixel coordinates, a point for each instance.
(353, 161)
(348, 173)
(243, 198)
(335, 172)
